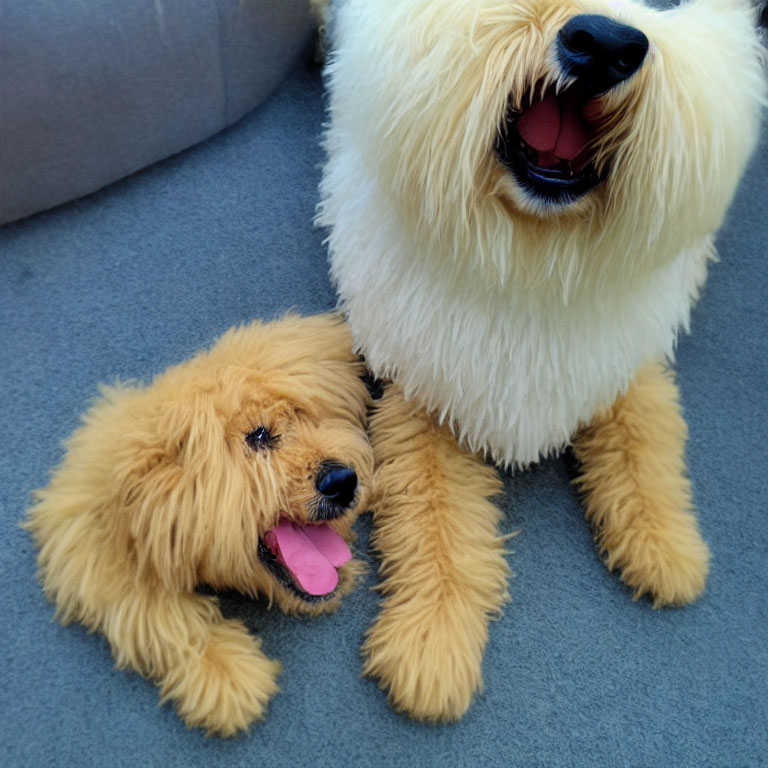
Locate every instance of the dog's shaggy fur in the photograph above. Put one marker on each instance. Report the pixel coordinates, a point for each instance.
(515, 319)
(161, 490)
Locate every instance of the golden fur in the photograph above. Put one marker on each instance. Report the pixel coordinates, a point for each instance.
(638, 497)
(158, 492)
(442, 562)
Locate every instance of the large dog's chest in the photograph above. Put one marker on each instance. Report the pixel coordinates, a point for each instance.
(514, 375)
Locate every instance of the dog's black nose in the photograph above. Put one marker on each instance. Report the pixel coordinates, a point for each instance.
(599, 51)
(337, 483)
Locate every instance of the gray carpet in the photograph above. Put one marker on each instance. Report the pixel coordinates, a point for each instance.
(142, 274)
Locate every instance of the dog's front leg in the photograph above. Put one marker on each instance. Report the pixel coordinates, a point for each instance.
(211, 668)
(442, 562)
(637, 493)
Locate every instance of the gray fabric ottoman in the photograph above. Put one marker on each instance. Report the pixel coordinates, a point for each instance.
(93, 90)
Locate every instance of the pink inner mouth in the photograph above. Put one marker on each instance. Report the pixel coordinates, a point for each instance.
(311, 553)
(557, 129)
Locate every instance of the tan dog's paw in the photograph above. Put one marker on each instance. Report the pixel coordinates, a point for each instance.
(670, 566)
(430, 665)
(228, 686)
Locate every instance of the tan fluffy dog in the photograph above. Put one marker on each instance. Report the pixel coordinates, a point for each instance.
(242, 468)
(521, 198)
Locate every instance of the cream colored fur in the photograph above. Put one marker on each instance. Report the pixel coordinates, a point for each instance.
(159, 492)
(533, 320)
(518, 323)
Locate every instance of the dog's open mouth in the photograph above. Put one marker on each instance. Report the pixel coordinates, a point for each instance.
(549, 146)
(305, 558)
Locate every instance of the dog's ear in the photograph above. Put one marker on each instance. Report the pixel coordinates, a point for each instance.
(115, 503)
(158, 492)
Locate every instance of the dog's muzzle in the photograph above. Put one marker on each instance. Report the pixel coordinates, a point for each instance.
(306, 557)
(549, 143)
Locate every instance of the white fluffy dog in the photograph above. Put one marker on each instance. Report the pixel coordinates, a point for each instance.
(522, 197)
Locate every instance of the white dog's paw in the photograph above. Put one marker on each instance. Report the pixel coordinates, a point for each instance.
(228, 686)
(431, 665)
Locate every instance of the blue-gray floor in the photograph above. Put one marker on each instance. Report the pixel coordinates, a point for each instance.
(144, 273)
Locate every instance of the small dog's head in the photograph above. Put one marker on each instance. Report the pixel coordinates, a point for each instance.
(241, 468)
(606, 135)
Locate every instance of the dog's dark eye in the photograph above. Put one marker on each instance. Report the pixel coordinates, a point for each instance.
(261, 438)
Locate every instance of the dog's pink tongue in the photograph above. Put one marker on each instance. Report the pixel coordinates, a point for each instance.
(554, 127)
(539, 124)
(312, 553)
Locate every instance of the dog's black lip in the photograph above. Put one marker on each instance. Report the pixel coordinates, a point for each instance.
(551, 185)
(281, 573)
